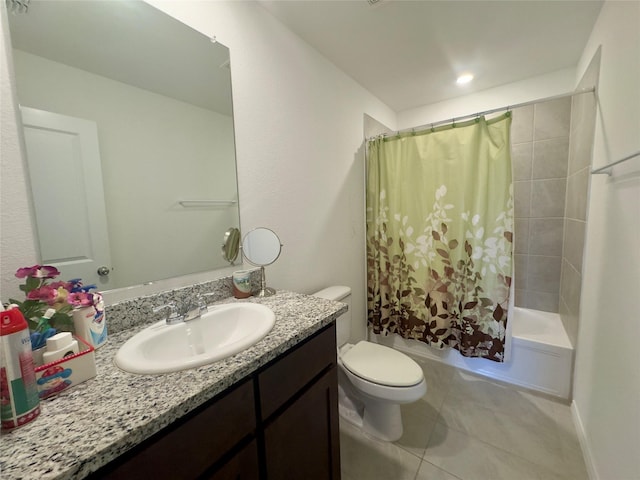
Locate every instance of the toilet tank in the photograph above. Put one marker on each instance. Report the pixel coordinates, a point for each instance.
(343, 323)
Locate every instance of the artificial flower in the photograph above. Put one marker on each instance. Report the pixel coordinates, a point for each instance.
(38, 271)
(82, 299)
(45, 293)
(60, 295)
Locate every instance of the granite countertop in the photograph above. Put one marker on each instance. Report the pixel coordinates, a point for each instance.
(86, 427)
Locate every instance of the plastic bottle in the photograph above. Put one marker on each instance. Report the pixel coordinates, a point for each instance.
(19, 400)
(59, 346)
(43, 324)
(90, 324)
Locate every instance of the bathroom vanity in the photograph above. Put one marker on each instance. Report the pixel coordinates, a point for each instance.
(281, 422)
(268, 412)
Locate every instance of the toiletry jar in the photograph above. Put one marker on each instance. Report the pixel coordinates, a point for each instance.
(54, 377)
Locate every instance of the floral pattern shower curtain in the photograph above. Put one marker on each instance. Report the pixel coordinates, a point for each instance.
(439, 236)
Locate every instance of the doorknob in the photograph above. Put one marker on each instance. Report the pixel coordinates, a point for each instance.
(103, 271)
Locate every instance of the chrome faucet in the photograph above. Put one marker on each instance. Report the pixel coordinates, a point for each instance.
(184, 312)
(193, 310)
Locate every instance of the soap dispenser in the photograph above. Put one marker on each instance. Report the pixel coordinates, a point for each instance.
(59, 346)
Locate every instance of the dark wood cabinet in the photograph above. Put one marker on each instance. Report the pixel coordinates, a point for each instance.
(303, 441)
(244, 465)
(279, 423)
(296, 369)
(189, 448)
(299, 410)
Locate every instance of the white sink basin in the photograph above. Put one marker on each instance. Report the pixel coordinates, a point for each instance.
(221, 332)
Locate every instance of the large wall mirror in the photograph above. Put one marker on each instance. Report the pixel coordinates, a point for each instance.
(128, 124)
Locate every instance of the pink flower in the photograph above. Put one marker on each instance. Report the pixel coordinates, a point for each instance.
(44, 293)
(38, 271)
(65, 285)
(80, 299)
(27, 271)
(85, 299)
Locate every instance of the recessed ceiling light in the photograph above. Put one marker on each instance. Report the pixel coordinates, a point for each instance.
(464, 79)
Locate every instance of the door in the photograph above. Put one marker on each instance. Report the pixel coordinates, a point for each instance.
(66, 183)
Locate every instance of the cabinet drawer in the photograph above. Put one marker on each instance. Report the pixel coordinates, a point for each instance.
(190, 448)
(289, 375)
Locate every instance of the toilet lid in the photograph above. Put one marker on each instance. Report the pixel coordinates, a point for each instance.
(382, 365)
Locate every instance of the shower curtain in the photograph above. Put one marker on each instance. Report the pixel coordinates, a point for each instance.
(439, 236)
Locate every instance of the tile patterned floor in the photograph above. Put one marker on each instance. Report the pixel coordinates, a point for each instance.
(468, 428)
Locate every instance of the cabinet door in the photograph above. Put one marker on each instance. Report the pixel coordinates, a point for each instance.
(303, 442)
(242, 466)
(296, 369)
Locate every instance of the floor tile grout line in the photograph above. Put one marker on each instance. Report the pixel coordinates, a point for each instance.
(447, 396)
(397, 445)
(421, 457)
(485, 443)
(435, 466)
(511, 416)
(409, 451)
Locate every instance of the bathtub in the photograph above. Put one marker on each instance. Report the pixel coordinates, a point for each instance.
(541, 354)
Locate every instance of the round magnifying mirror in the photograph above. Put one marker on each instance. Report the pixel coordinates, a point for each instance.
(261, 247)
(231, 245)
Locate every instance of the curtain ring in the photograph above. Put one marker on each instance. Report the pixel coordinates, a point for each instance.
(453, 123)
(432, 129)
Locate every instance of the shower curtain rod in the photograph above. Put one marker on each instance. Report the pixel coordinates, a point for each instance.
(485, 112)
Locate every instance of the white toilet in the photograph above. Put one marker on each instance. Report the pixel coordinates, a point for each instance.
(373, 380)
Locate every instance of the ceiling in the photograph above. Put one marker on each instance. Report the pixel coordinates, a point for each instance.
(409, 53)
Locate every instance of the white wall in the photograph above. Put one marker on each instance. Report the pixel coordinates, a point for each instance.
(139, 130)
(607, 377)
(299, 124)
(17, 248)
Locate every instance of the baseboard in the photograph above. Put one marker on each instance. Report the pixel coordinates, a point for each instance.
(584, 443)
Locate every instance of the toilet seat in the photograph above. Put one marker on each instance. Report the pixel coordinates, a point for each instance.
(381, 365)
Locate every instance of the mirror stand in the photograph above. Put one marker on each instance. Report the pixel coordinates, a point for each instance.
(264, 290)
(261, 247)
